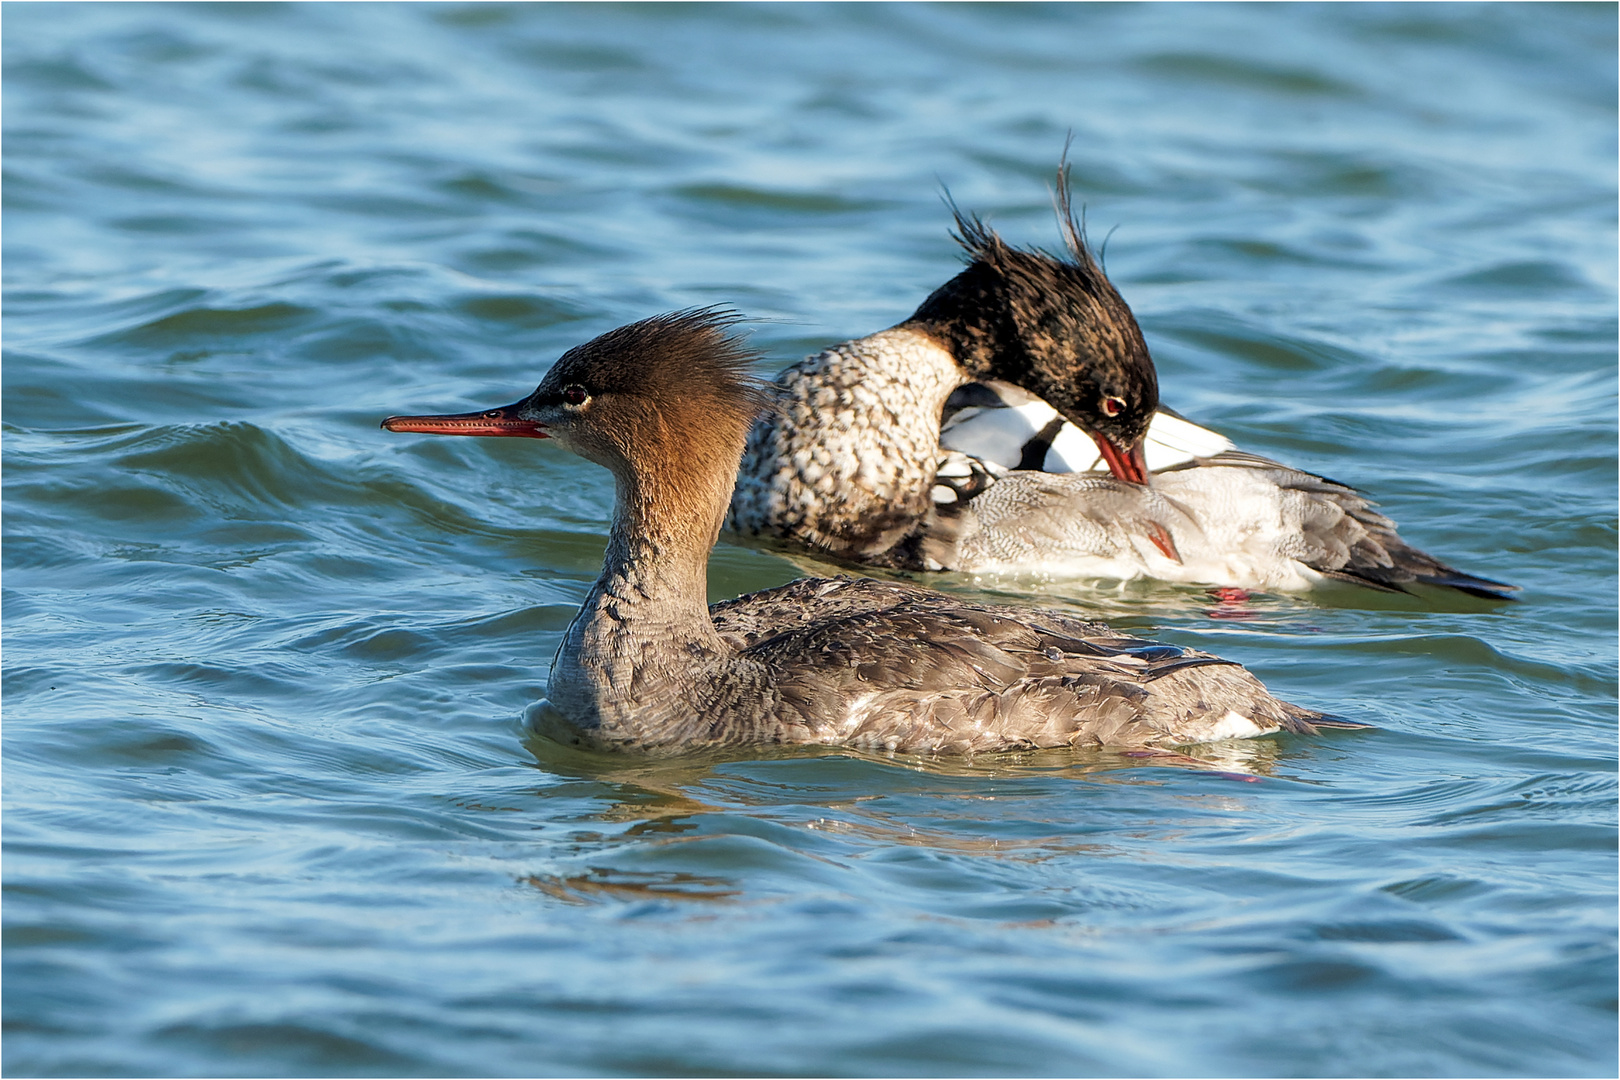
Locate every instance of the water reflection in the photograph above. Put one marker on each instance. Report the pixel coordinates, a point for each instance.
(606, 883)
(1017, 805)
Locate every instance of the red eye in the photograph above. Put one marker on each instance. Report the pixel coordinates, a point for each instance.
(1113, 406)
(574, 395)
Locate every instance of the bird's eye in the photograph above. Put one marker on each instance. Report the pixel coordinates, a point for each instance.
(574, 395)
(1113, 406)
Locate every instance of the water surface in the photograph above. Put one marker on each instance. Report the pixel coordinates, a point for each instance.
(269, 805)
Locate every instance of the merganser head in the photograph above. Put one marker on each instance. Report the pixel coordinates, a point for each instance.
(1054, 326)
(670, 395)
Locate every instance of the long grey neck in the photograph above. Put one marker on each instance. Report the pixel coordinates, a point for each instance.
(656, 560)
(642, 656)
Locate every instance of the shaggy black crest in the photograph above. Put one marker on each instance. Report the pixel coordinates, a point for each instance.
(1049, 323)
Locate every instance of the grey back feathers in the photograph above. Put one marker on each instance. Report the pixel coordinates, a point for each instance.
(890, 666)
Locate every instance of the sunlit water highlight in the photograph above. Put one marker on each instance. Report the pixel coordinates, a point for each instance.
(269, 806)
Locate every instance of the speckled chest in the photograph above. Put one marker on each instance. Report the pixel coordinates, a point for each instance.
(847, 462)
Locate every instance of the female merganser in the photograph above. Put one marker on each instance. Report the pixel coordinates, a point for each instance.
(855, 464)
(666, 405)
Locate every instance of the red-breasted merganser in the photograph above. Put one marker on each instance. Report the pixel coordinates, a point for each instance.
(1235, 519)
(666, 405)
(848, 464)
(855, 464)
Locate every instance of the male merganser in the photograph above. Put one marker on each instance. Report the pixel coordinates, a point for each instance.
(848, 464)
(855, 464)
(1235, 519)
(666, 405)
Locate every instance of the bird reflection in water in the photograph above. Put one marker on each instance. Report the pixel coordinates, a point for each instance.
(665, 799)
(606, 883)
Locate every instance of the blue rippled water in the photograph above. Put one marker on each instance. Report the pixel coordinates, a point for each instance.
(269, 806)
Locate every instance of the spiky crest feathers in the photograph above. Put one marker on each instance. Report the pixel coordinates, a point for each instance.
(668, 402)
(1054, 325)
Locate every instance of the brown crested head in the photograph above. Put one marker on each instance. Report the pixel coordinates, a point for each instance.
(1054, 325)
(671, 392)
(665, 403)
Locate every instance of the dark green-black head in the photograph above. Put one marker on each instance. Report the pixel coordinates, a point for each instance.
(1054, 325)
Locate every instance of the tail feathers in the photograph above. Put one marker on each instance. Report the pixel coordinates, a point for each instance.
(1484, 588)
(1361, 577)
(1378, 558)
(1305, 722)
(1414, 567)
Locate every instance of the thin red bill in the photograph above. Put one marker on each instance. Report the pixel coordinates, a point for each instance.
(491, 422)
